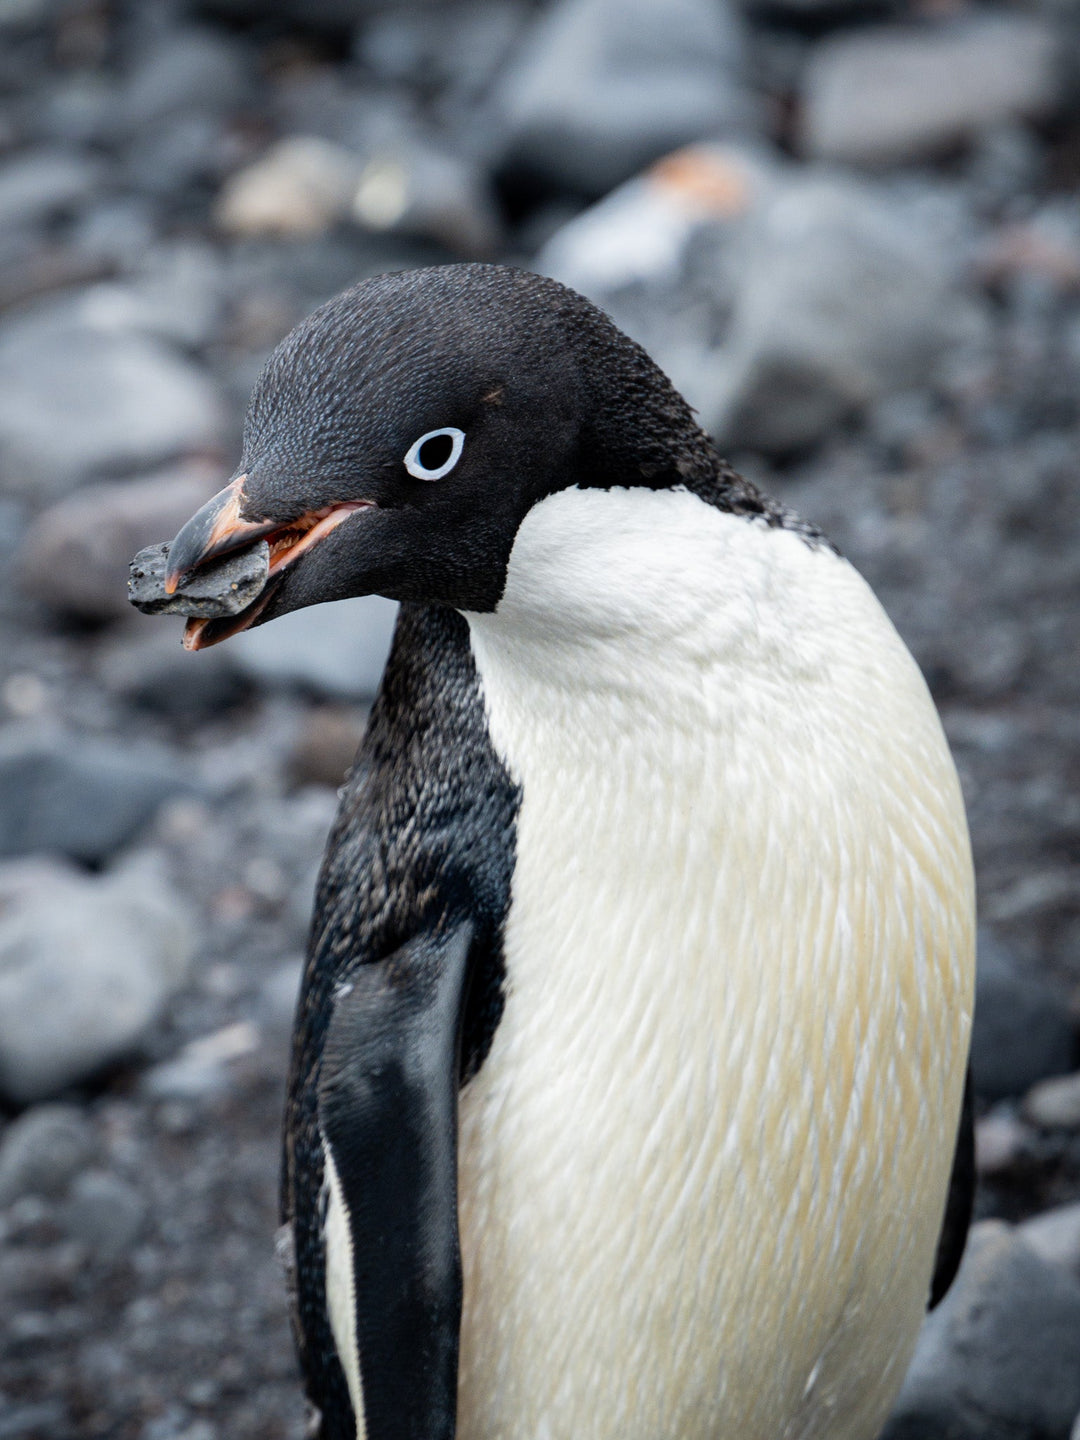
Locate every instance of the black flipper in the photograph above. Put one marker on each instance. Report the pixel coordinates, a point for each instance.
(388, 1115)
(958, 1207)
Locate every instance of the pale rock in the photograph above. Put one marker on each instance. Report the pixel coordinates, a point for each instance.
(301, 187)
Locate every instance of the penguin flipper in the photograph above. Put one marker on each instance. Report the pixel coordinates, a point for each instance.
(958, 1206)
(387, 1104)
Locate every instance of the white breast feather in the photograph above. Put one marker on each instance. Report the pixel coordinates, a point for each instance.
(703, 1168)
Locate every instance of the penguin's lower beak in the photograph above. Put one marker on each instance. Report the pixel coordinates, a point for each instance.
(218, 529)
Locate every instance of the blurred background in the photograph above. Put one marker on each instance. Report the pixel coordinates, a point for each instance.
(848, 229)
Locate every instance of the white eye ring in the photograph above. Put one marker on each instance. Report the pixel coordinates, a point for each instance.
(420, 471)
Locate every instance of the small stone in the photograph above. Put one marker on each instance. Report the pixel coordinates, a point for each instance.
(893, 93)
(186, 69)
(156, 674)
(1055, 1104)
(599, 88)
(42, 1150)
(1054, 1235)
(338, 650)
(220, 588)
(998, 1357)
(417, 189)
(300, 187)
(1022, 1030)
(127, 402)
(79, 797)
(86, 965)
(105, 1213)
(75, 555)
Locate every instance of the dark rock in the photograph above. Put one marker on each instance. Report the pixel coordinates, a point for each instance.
(337, 650)
(75, 555)
(39, 184)
(79, 797)
(600, 87)
(105, 1213)
(156, 674)
(220, 588)
(998, 1359)
(1022, 1030)
(126, 400)
(42, 1151)
(86, 965)
(887, 94)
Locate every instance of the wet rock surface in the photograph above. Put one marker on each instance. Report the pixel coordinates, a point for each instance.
(867, 279)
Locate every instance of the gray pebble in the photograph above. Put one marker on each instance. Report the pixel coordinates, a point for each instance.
(1055, 1103)
(224, 587)
(105, 1213)
(1055, 1236)
(42, 1150)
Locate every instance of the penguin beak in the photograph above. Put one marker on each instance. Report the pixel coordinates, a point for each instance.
(218, 529)
(214, 530)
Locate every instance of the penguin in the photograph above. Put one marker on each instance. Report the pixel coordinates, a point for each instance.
(629, 1058)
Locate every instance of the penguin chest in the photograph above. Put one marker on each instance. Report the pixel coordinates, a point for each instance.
(703, 1167)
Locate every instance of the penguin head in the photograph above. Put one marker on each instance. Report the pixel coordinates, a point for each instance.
(399, 435)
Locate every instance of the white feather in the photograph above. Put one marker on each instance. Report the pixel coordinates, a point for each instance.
(703, 1169)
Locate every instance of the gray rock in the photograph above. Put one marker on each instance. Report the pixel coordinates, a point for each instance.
(1055, 1236)
(1022, 1031)
(221, 588)
(79, 797)
(42, 1151)
(38, 184)
(185, 69)
(998, 1359)
(156, 674)
(86, 965)
(75, 555)
(173, 292)
(127, 402)
(105, 1213)
(1055, 1104)
(897, 93)
(600, 87)
(842, 297)
(337, 650)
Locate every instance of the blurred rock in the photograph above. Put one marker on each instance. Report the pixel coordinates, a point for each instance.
(186, 68)
(418, 189)
(300, 187)
(598, 88)
(156, 674)
(36, 185)
(174, 162)
(898, 93)
(202, 1067)
(1022, 1031)
(337, 650)
(175, 292)
(1055, 1104)
(998, 1359)
(75, 555)
(1054, 1235)
(326, 746)
(42, 1151)
(75, 400)
(841, 299)
(77, 796)
(105, 1213)
(86, 965)
(1001, 1140)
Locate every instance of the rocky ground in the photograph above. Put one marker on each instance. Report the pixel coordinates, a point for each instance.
(865, 273)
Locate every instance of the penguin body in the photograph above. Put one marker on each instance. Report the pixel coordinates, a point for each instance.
(631, 1045)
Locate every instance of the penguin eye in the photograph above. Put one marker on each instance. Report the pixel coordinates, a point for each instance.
(435, 454)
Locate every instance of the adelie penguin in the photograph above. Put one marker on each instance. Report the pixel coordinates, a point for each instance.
(630, 1054)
